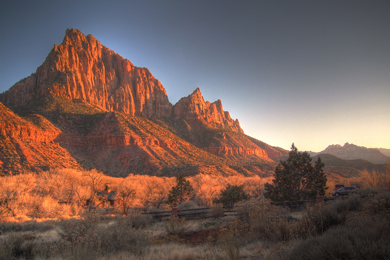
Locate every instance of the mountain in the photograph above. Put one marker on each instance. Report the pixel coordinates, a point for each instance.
(82, 69)
(384, 151)
(26, 147)
(353, 152)
(88, 107)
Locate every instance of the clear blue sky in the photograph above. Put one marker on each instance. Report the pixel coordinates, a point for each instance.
(310, 72)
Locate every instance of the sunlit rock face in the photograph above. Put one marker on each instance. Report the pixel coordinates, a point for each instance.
(81, 68)
(25, 147)
(194, 109)
(88, 107)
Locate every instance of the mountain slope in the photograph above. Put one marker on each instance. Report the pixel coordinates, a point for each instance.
(384, 151)
(348, 167)
(108, 114)
(28, 146)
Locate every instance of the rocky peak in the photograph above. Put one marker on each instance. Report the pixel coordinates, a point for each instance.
(81, 68)
(352, 152)
(194, 109)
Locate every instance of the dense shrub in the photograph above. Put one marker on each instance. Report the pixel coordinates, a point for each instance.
(136, 220)
(272, 223)
(176, 226)
(323, 217)
(231, 194)
(363, 238)
(121, 237)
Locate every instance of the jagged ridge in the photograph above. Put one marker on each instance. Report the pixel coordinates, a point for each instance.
(90, 95)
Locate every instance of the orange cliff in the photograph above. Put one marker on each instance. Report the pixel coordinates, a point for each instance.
(26, 147)
(194, 109)
(14, 127)
(82, 69)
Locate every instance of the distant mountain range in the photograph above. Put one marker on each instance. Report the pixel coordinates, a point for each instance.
(354, 152)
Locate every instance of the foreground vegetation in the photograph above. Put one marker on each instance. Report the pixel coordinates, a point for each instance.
(45, 216)
(62, 194)
(356, 227)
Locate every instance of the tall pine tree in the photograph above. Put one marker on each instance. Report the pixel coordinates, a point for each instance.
(296, 178)
(181, 192)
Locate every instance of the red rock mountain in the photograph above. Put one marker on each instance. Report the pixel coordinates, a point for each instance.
(82, 69)
(94, 109)
(195, 110)
(25, 147)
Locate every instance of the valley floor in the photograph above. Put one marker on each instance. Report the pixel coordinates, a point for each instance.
(356, 227)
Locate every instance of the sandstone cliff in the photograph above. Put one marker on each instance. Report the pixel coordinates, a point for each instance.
(30, 145)
(88, 107)
(195, 110)
(83, 69)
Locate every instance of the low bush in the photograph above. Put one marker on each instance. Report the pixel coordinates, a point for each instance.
(363, 238)
(121, 237)
(176, 226)
(323, 217)
(366, 192)
(272, 223)
(383, 196)
(190, 204)
(26, 226)
(138, 221)
(229, 241)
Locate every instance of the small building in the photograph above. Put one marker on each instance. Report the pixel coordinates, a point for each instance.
(109, 197)
(104, 199)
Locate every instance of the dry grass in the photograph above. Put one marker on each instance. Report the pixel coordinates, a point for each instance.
(351, 228)
(37, 226)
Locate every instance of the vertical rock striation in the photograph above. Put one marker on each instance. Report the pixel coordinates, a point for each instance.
(81, 68)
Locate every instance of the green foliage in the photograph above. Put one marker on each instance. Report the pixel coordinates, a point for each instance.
(181, 192)
(296, 178)
(231, 194)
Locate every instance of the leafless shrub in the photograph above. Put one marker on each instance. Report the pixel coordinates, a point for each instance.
(363, 238)
(175, 226)
(217, 211)
(229, 241)
(136, 220)
(122, 237)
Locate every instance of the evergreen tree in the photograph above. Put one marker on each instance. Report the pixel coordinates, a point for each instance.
(296, 178)
(181, 192)
(231, 194)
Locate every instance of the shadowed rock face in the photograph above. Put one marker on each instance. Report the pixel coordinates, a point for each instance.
(81, 68)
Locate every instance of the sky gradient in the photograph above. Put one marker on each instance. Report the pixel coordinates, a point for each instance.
(310, 72)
